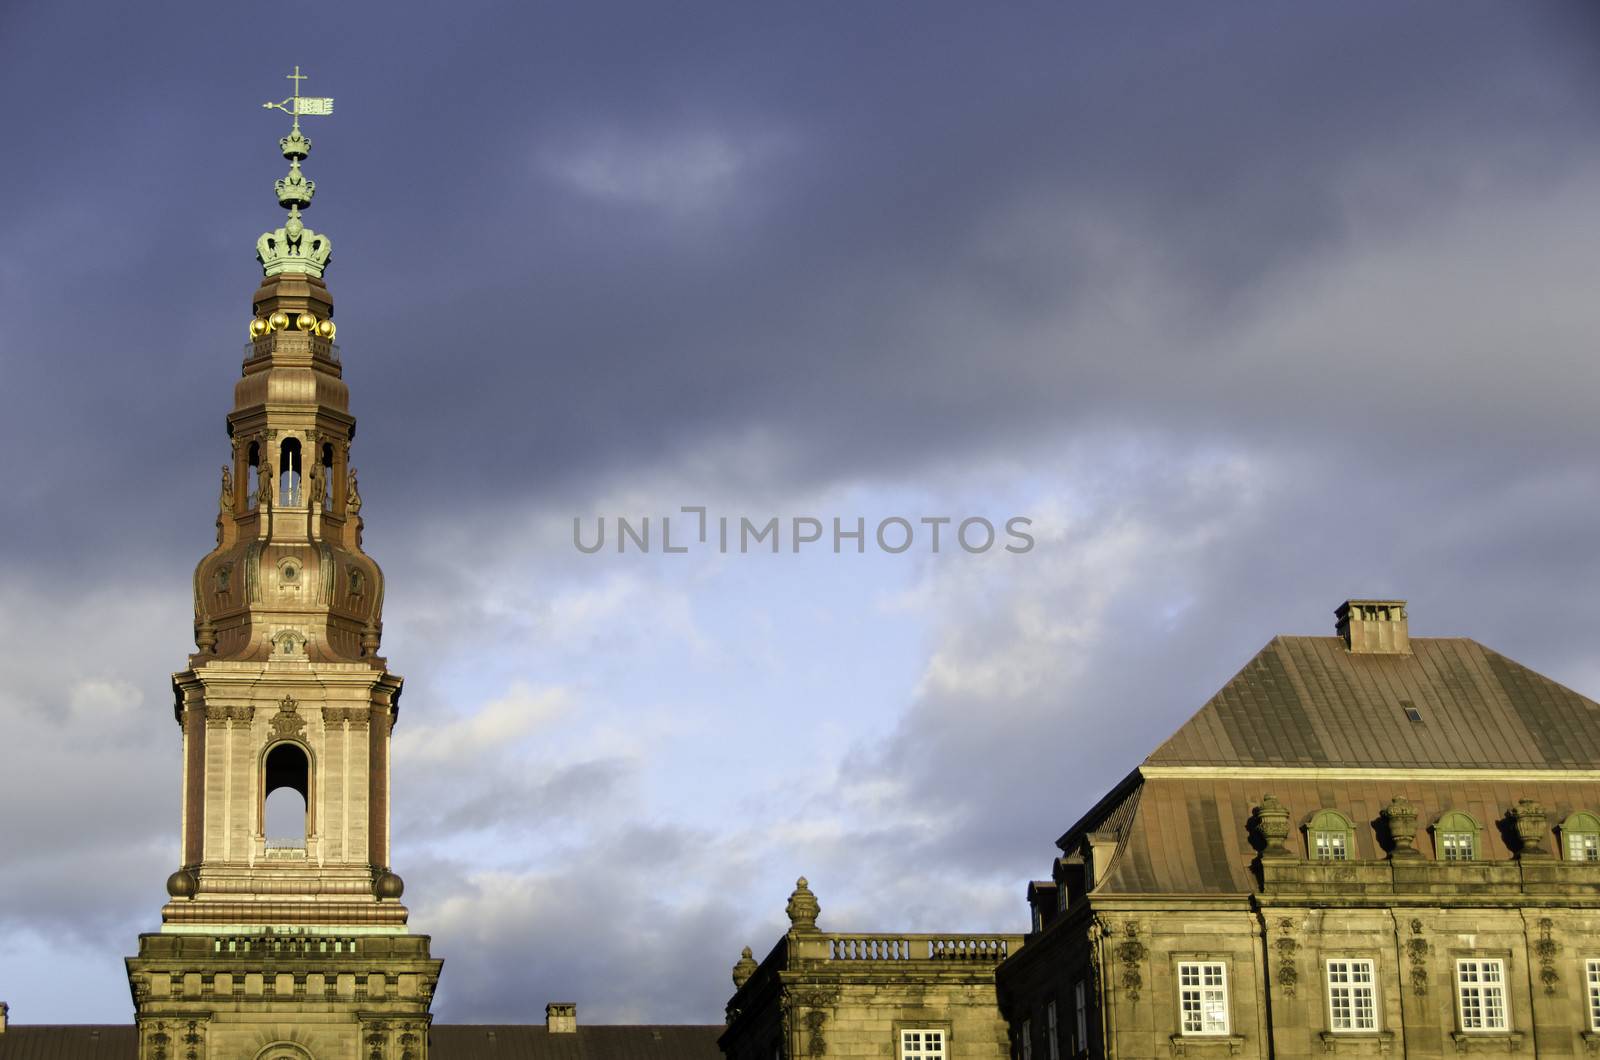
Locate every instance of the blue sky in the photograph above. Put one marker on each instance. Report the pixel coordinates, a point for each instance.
(1250, 311)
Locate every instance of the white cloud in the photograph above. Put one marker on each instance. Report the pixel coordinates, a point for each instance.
(679, 172)
(500, 724)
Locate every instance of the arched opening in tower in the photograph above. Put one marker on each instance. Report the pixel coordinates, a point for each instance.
(286, 814)
(253, 491)
(289, 473)
(327, 477)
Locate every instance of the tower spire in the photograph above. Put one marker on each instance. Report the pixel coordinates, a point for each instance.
(284, 904)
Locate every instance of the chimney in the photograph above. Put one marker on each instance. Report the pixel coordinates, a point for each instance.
(561, 1017)
(1374, 627)
(5, 1010)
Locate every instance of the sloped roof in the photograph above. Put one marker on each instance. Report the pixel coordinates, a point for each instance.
(1190, 835)
(1307, 701)
(69, 1041)
(75, 1041)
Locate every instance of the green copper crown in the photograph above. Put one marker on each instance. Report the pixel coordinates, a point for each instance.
(294, 247)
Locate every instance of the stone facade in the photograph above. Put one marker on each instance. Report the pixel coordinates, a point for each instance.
(857, 996)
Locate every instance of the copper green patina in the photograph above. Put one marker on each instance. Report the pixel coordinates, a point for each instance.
(294, 247)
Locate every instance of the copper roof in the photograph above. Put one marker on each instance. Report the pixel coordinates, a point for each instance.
(1306, 701)
(1191, 835)
(69, 1041)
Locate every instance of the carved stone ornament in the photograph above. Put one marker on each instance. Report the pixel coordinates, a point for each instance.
(818, 1042)
(1417, 950)
(230, 714)
(287, 723)
(1547, 949)
(355, 717)
(803, 907)
(744, 969)
(1530, 820)
(1288, 974)
(1401, 819)
(1272, 823)
(227, 490)
(1131, 953)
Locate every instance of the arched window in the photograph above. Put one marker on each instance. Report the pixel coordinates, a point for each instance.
(327, 477)
(253, 490)
(1580, 836)
(289, 473)
(286, 798)
(1330, 836)
(1455, 837)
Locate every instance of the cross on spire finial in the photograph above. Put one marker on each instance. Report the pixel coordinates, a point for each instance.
(296, 105)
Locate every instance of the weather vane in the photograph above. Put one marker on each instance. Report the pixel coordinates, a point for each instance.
(297, 104)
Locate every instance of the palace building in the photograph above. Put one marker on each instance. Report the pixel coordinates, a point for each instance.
(1366, 844)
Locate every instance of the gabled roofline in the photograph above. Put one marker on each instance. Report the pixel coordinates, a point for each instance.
(1110, 798)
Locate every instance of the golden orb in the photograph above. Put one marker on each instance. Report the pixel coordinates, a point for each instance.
(325, 329)
(333, 329)
(279, 320)
(258, 328)
(305, 322)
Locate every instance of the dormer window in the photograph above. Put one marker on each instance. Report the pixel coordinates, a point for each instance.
(1456, 837)
(1580, 837)
(1330, 835)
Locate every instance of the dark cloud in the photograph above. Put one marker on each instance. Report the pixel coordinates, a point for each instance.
(1344, 248)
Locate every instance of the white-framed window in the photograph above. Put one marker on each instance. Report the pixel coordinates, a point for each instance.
(1203, 997)
(921, 1043)
(1080, 1001)
(1592, 970)
(1330, 846)
(1481, 993)
(1583, 846)
(1352, 995)
(1053, 1041)
(1457, 846)
(1027, 1040)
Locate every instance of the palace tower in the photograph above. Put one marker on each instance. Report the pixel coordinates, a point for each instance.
(286, 947)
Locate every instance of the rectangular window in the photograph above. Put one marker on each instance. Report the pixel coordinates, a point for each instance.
(1203, 997)
(1481, 992)
(1330, 846)
(1593, 970)
(1080, 1000)
(1027, 1040)
(1352, 996)
(1583, 846)
(1053, 1042)
(920, 1043)
(1457, 846)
